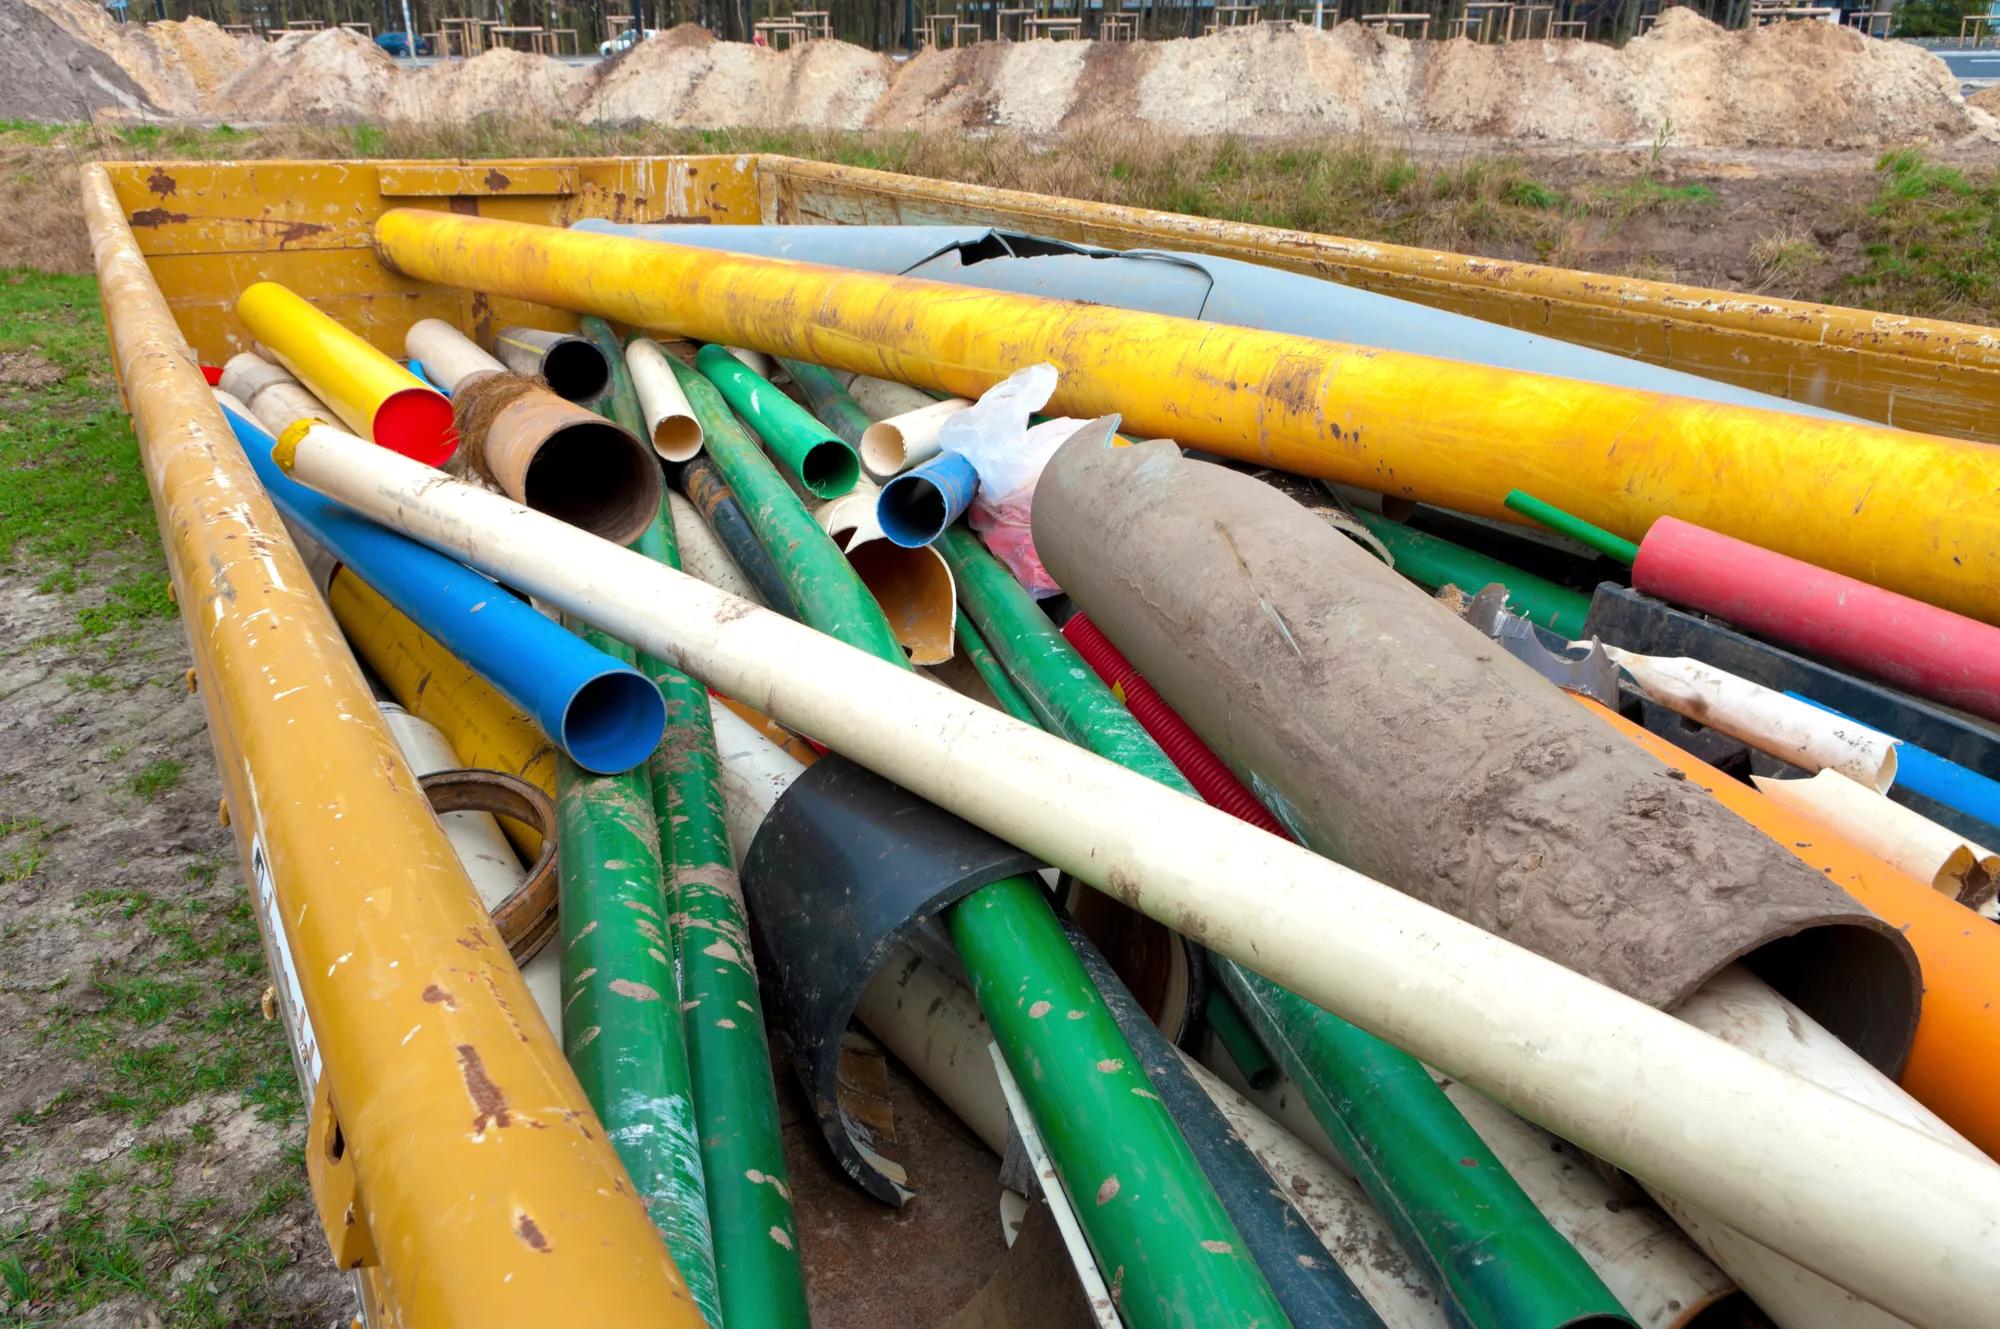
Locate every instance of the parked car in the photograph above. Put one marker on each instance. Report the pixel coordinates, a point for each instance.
(398, 44)
(623, 41)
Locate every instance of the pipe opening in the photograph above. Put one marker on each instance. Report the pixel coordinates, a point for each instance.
(677, 438)
(1856, 981)
(830, 469)
(575, 370)
(613, 722)
(912, 511)
(596, 477)
(883, 450)
(417, 423)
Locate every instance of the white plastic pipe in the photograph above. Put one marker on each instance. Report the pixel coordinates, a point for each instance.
(702, 555)
(1894, 1216)
(882, 398)
(901, 441)
(269, 394)
(483, 848)
(1906, 840)
(448, 356)
(1766, 719)
(670, 421)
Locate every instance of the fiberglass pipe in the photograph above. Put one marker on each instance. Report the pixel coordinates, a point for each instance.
(1481, 1243)
(1896, 1217)
(1882, 504)
(1193, 285)
(376, 397)
(1099, 1128)
(752, 1227)
(607, 715)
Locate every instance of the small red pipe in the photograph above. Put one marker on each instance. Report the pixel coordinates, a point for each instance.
(1215, 782)
(1906, 642)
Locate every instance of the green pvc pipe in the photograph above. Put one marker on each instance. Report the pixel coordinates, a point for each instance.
(755, 1235)
(1575, 527)
(831, 402)
(621, 1012)
(823, 585)
(1432, 562)
(826, 465)
(989, 670)
(1239, 1040)
(1460, 1215)
(1153, 1222)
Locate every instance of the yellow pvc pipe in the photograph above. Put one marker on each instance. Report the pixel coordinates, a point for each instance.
(1910, 512)
(486, 730)
(486, 1186)
(377, 398)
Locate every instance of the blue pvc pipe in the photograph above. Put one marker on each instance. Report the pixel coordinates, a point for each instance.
(1943, 781)
(605, 714)
(915, 508)
(417, 368)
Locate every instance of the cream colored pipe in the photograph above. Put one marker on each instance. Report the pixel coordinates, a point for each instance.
(269, 394)
(915, 588)
(448, 356)
(482, 847)
(1907, 840)
(1768, 720)
(1892, 1215)
(882, 398)
(901, 441)
(670, 421)
(702, 555)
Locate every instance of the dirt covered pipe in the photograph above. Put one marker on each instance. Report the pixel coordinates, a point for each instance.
(1396, 739)
(546, 453)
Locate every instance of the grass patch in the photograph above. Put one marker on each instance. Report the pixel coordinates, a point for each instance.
(1931, 240)
(157, 777)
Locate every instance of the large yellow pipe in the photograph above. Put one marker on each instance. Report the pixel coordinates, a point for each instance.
(378, 398)
(487, 1188)
(1911, 512)
(485, 729)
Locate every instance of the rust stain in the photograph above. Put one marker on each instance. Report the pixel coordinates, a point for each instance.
(486, 1095)
(437, 996)
(496, 181)
(529, 1231)
(291, 232)
(159, 182)
(151, 217)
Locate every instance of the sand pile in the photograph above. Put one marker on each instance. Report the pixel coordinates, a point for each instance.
(1986, 99)
(1793, 85)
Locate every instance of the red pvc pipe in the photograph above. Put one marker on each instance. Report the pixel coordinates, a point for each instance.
(1215, 782)
(1906, 642)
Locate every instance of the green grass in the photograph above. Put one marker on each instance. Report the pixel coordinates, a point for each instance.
(157, 777)
(1933, 240)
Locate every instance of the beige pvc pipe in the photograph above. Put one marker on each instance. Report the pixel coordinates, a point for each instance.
(882, 398)
(449, 357)
(483, 848)
(1766, 719)
(1906, 840)
(915, 588)
(901, 441)
(670, 421)
(1894, 1216)
(269, 394)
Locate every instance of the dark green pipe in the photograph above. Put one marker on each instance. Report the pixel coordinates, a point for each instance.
(621, 1010)
(759, 1278)
(1432, 562)
(704, 486)
(826, 465)
(836, 409)
(1487, 1249)
(1573, 526)
(1151, 1218)
(1239, 1040)
(981, 655)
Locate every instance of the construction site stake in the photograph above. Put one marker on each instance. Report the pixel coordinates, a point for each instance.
(751, 1223)
(1786, 482)
(1903, 1221)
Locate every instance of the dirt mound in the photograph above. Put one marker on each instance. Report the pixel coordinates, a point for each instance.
(682, 80)
(50, 72)
(333, 74)
(176, 66)
(498, 82)
(1986, 99)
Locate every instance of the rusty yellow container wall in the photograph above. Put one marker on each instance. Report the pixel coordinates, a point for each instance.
(482, 1188)
(1923, 374)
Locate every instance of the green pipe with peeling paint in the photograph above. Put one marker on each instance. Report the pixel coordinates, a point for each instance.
(1432, 562)
(621, 1019)
(755, 1234)
(1454, 1208)
(826, 465)
(832, 403)
(989, 670)
(1153, 1221)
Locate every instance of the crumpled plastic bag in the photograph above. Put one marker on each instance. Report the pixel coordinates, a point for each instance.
(994, 435)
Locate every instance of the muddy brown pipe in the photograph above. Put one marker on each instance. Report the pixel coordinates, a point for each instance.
(1396, 739)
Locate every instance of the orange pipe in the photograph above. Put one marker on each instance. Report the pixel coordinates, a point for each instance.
(1951, 1066)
